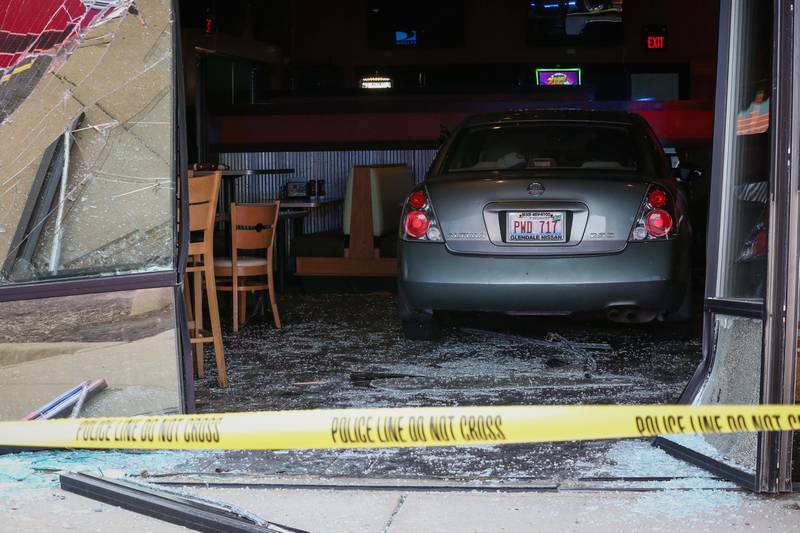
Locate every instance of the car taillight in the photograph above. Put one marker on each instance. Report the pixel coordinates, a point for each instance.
(417, 200)
(655, 219)
(657, 198)
(419, 222)
(658, 223)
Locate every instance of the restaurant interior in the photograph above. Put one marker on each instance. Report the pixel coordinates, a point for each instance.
(316, 119)
(200, 208)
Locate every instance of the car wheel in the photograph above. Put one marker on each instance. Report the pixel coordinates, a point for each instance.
(418, 324)
(426, 329)
(684, 312)
(679, 320)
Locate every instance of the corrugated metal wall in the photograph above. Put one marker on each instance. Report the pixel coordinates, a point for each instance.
(333, 166)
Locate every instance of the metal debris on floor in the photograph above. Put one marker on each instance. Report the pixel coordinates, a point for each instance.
(169, 505)
(70, 403)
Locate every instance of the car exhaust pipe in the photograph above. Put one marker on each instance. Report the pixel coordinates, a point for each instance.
(629, 315)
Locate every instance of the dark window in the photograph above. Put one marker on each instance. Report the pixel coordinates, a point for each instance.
(549, 145)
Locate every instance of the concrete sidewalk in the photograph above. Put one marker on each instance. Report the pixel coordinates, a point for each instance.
(591, 510)
(576, 507)
(631, 486)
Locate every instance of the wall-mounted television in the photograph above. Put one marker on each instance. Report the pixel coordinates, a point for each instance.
(575, 21)
(553, 77)
(655, 86)
(415, 24)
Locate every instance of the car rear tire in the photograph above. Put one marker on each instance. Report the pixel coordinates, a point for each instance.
(426, 329)
(679, 320)
(418, 324)
(684, 312)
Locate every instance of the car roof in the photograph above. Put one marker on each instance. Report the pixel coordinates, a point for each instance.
(524, 115)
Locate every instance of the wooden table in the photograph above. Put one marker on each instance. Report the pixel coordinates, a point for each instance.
(292, 210)
(230, 176)
(309, 203)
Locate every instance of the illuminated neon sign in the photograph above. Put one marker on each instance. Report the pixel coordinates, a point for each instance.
(376, 82)
(558, 76)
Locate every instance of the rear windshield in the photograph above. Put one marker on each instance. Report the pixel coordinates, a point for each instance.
(548, 145)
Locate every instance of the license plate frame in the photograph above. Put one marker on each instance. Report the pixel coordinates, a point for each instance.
(530, 227)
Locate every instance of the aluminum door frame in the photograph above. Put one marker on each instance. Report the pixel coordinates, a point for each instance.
(778, 312)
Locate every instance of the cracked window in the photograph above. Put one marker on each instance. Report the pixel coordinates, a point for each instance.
(86, 114)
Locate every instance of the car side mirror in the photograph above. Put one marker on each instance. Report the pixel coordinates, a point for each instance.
(444, 134)
(686, 173)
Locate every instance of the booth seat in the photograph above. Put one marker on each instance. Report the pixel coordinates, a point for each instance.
(367, 243)
(333, 244)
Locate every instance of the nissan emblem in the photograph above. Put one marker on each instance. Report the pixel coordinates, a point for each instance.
(535, 188)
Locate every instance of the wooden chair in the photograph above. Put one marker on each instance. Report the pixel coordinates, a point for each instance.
(203, 194)
(252, 228)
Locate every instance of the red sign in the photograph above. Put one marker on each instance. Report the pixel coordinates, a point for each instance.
(654, 37)
(655, 42)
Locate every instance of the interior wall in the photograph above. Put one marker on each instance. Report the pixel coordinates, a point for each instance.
(317, 33)
(336, 33)
(677, 123)
(333, 166)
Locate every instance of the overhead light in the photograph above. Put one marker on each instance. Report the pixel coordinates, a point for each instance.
(376, 82)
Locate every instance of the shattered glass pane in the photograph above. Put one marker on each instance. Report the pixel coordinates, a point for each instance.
(126, 339)
(86, 114)
(735, 379)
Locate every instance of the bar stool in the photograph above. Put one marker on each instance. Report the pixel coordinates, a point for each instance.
(203, 194)
(252, 228)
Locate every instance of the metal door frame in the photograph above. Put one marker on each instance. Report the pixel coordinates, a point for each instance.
(778, 312)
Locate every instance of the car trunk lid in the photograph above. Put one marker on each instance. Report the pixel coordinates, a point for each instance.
(476, 211)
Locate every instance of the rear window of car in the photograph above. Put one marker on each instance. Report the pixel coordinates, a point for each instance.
(549, 145)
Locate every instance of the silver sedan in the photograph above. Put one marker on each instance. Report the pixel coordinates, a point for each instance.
(546, 212)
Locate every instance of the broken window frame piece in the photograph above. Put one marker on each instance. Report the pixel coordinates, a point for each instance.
(69, 403)
(193, 513)
(38, 206)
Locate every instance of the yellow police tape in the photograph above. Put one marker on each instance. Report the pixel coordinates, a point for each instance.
(396, 427)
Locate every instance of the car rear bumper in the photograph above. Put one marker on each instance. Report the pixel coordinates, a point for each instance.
(650, 276)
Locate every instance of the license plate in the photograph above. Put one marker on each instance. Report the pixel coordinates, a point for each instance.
(535, 226)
